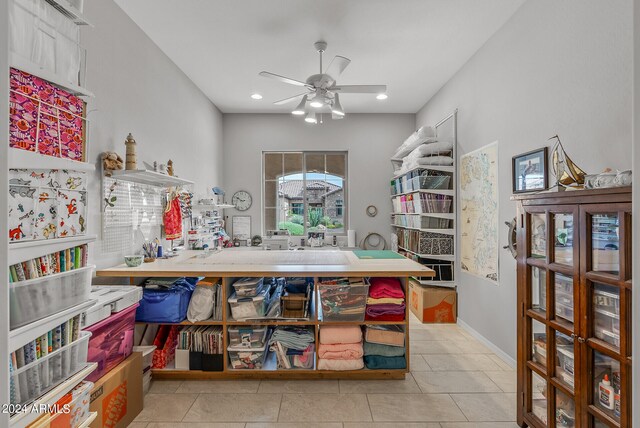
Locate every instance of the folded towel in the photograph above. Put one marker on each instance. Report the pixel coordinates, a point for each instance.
(377, 362)
(331, 335)
(340, 364)
(386, 309)
(386, 317)
(341, 351)
(383, 350)
(385, 287)
(383, 300)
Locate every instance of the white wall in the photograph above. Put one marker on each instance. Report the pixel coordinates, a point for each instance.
(554, 68)
(138, 89)
(371, 139)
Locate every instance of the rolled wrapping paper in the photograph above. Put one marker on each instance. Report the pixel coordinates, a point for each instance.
(342, 351)
(351, 238)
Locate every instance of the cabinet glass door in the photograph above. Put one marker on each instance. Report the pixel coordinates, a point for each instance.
(605, 243)
(563, 238)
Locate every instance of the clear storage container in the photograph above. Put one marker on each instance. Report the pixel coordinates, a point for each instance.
(248, 287)
(431, 182)
(147, 355)
(243, 308)
(112, 341)
(343, 301)
(248, 337)
(433, 205)
(241, 358)
(39, 298)
(45, 373)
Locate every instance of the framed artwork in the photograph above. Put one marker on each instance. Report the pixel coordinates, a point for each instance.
(530, 171)
(241, 227)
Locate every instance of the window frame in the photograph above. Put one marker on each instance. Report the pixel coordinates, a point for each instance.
(304, 153)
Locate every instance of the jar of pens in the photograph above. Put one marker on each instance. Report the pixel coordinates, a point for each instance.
(150, 250)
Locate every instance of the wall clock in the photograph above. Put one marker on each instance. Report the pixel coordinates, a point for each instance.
(241, 200)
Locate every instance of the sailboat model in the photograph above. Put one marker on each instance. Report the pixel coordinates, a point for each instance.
(567, 173)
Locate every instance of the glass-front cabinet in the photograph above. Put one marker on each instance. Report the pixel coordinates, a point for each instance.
(574, 297)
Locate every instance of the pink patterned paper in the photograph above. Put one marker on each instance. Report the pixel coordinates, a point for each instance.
(43, 112)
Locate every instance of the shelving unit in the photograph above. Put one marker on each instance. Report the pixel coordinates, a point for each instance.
(21, 251)
(21, 420)
(401, 269)
(412, 219)
(149, 178)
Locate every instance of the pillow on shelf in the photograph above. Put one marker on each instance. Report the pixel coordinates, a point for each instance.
(429, 160)
(430, 149)
(426, 134)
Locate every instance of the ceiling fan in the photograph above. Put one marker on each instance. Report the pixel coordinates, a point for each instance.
(322, 91)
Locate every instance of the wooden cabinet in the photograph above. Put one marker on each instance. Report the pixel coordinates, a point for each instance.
(574, 308)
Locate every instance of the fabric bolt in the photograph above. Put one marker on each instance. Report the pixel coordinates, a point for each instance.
(173, 220)
(331, 335)
(340, 365)
(383, 350)
(378, 362)
(342, 351)
(383, 300)
(386, 309)
(385, 287)
(386, 317)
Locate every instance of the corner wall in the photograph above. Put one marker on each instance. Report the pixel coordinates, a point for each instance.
(370, 139)
(138, 89)
(555, 68)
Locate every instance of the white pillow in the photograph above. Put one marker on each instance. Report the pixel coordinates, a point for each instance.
(426, 134)
(429, 160)
(430, 149)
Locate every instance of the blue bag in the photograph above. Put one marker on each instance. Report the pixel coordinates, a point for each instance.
(170, 304)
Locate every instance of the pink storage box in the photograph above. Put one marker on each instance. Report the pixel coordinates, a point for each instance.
(111, 341)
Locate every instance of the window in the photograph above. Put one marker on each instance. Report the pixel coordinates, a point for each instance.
(305, 192)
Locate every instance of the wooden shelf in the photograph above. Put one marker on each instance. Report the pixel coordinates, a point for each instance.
(185, 322)
(25, 334)
(23, 159)
(26, 250)
(448, 192)
(450, 216)
(21, 63)
(149, 178)
(21, 420)
(279, 374)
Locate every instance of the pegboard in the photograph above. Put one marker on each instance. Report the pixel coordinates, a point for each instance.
(135, 206)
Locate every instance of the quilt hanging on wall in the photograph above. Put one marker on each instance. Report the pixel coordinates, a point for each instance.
(479, 212)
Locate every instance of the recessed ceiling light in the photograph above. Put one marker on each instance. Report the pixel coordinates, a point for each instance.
(256, 96)
(382, 96)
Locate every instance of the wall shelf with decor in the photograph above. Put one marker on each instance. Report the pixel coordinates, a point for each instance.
(149, 178)
(424, 200)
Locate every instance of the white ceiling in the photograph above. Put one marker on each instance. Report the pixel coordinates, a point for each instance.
(412, 46)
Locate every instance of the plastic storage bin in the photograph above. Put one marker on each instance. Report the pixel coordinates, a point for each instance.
(241, 358)
(248, 337)
(248, 287)
(431, 182)
(39, 298)
(78, 401)
(44, 374)
(344, 301)
(441, 204)
(147, 355)
(112, 341)
(248, 307)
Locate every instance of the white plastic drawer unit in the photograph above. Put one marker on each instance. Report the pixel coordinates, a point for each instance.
(40, 376)
(39, 298)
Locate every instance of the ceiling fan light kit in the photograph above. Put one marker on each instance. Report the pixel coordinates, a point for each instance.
(322, 89)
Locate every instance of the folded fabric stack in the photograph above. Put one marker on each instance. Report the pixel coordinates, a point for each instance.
(386, 300)
(294, 347)
(340, 348)
(384, 347)
(423, 148)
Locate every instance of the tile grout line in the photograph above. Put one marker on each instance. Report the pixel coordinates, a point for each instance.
(456, 403)
(190, 407)
(279, 407)
(370, 412)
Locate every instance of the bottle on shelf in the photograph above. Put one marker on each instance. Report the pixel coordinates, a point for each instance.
(605, 393)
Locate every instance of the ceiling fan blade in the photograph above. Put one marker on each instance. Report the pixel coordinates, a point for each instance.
(360, 89)
(337, 66)
(286, 100)
(283, 79)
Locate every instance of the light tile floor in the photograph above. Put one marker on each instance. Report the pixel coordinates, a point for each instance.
(455, 382)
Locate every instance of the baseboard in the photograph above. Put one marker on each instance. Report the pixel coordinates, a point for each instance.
(499, 352)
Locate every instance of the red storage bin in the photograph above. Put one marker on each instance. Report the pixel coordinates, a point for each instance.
(111, 341)
(166, 341)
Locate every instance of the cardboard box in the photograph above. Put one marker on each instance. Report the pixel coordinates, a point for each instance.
(433, 304)
(117, 396)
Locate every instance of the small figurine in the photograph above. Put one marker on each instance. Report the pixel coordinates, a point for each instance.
(130, 143)
(170, 168)
(111, 161)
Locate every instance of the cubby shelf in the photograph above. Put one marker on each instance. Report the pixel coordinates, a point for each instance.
(25, 250)
(26, 65)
